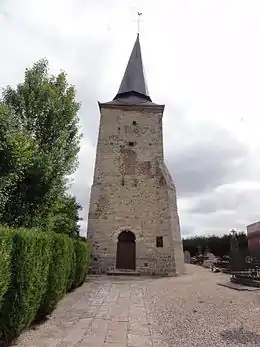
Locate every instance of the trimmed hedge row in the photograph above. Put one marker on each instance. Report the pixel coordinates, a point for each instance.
(5, 261)
(36, 270)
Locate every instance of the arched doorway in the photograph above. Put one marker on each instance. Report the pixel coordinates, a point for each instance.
(125, 255)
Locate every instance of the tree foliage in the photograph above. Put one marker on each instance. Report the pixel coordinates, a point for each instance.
(65, 216)
(39, 145)
(219, 245)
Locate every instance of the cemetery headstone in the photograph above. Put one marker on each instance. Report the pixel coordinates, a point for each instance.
(187, 257)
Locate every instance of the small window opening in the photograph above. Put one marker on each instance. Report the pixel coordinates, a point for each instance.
(135, 183)
(159, 241)
(123, 181)
(131, 144)
(134, 122)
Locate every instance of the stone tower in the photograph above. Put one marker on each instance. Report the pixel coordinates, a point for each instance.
(133, 222)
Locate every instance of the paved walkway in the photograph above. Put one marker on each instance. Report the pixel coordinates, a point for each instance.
(191, 310)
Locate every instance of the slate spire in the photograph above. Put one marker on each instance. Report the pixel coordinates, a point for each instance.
(133, 82)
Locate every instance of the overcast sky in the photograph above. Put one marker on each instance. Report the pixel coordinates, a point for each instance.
(202, 60)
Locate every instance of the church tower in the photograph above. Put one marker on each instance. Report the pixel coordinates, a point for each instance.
(133, 222)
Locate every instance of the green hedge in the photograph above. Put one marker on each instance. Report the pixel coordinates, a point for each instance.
(82, 262)
(30, 266)
(71, 265)
(6, 244)
(39, 268)
(58, 274)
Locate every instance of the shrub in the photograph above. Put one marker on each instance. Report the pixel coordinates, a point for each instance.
(6, 244)
(82, 262)
(71, 268)
(37, 269)
(31, 253)
(58, 274)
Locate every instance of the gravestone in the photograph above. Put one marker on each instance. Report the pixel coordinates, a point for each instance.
(187, 257)
(210, 259)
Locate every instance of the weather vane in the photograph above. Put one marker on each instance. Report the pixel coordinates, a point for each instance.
(138, 22)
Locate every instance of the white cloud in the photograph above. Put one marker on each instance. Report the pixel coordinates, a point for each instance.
(201, 60)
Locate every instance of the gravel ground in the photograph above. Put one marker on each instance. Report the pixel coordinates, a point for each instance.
(193, 310)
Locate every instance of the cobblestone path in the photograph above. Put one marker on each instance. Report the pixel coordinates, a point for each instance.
(191, 310)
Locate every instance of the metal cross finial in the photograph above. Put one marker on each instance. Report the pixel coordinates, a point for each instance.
(138, 27)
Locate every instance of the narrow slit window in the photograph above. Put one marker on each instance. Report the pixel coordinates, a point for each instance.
(123, 181)
(159, 241)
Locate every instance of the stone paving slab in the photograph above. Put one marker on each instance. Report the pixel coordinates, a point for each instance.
(107, 313)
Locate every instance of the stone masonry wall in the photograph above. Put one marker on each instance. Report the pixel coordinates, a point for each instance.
(128, 193)
(171, 217)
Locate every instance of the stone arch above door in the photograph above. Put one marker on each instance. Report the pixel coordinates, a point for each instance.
(127, 236)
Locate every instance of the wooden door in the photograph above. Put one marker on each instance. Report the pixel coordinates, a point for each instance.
(125, 258)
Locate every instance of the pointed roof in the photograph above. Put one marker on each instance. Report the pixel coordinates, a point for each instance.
(133, 90)
(133, 83)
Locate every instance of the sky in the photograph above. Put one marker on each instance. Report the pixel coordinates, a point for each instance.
(202, 60)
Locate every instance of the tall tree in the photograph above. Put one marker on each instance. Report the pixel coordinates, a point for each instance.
(64, 216)
(16, 148)
(43, 115)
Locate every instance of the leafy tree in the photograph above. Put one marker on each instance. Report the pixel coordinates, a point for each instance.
(15, 154)
(39, 144)
(65, 216)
